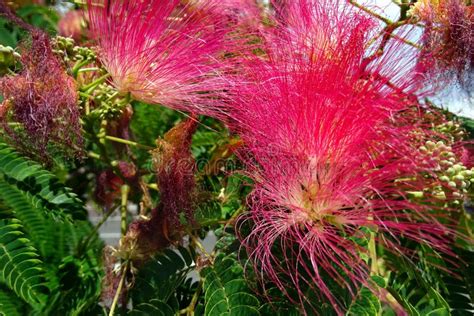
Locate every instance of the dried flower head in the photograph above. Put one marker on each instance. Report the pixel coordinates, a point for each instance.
(42, 99)
(448, 38)
(174, 166)
(161, 52)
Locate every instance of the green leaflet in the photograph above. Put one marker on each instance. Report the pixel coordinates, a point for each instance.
(460, 287)
(365, 304)
(226, 291)
(43, 259)
(153, 307)
(10, 304)
(39, 187)
(160, 278)
(21, 269)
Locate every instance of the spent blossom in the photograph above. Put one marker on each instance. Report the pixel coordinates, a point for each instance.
(43, 100)
(448, 38)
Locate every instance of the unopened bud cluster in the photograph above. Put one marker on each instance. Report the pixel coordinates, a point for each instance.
(65, 48)
(452, 130)
(109, 104)
(453, 177)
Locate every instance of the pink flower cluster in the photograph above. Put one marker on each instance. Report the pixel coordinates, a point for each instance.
(321, 107)
(162, 52)
(316, 113)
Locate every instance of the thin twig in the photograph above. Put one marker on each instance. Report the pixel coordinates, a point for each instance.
(123, 271)
(125, 190)
(127, 142)
(372, 13)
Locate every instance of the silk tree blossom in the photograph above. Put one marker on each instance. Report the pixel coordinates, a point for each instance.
(161, 52)
(239, 11)
(72, 25)
(330, 166)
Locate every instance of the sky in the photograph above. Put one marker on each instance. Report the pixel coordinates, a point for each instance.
(452, 98)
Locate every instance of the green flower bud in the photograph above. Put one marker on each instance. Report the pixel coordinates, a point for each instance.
(458, 167)
(440, 195)
(444, 179)
(423, 149)
(415, 194)
(430, 145)
(468, 173)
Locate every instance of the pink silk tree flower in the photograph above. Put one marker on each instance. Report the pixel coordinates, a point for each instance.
(245, 13)
(72, 25)
(316, 117)
(161, 52)
(239, 11)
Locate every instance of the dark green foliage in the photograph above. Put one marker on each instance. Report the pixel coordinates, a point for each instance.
(424, 287)
(160, 279)
(226, 288)
(460, 285)
(10, 304)
(468, 124)
(49, 257)
(21, 269)
(30, 184)
(226, 291)
(45, 18)
(365, 304)
(153, 307)
(151, 121)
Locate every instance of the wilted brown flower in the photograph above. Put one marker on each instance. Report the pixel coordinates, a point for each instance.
(174, 167)
(41, 102)
(448, 38)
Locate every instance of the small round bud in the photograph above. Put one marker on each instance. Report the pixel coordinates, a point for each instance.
(444, 179)
(458, 167)
(430, 145)
(457, 194)
(468, 173)
(440, 195)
